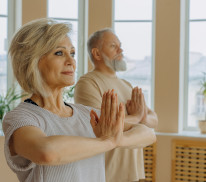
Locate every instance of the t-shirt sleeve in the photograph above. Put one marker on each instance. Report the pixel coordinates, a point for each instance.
(13, 121)
(87, 93)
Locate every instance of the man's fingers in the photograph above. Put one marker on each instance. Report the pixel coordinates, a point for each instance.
(140, 97)
(133, 98)
(145, 104)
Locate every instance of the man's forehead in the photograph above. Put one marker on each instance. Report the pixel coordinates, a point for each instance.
(110, 38)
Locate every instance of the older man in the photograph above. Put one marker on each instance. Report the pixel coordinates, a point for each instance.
(104, 48)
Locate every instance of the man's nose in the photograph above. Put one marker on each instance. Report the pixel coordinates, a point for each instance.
(120, 50)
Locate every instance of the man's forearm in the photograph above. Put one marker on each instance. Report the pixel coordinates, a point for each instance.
(137, 136)
(151, 120)
(133, 119)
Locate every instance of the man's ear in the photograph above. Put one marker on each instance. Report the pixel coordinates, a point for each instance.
(96, 54)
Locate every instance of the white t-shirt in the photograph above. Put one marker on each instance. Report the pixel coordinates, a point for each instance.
(26, 114)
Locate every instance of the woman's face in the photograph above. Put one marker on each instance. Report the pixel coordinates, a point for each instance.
(58, 66)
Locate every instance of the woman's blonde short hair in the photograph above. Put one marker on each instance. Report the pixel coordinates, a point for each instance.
(34, 40)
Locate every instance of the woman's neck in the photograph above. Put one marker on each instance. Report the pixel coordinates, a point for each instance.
(54, 103)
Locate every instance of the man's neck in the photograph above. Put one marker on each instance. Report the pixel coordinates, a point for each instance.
(106, 71)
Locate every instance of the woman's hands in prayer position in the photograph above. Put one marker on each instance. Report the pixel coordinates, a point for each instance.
(111, 121)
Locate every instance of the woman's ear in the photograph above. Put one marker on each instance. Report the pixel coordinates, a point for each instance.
(96, 54)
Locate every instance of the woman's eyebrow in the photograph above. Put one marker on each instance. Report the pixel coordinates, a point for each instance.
(60, 47)
(64, 47)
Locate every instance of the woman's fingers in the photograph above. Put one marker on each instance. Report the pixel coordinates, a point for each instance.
(94, 114)
(119, 127)
(103, 104)
(113, 111)
(121, 115)
(112, 115)
(92, 120)
(108, 106)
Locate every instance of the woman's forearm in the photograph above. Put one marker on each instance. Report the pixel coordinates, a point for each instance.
(33, 144)
(66, 149)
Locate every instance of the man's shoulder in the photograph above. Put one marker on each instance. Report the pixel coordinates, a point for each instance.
(89, 75)
(126, 82)
(92, 77)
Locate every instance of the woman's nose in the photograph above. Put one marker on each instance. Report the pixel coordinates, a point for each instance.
(70, 60)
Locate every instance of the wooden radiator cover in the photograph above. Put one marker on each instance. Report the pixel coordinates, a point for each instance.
(188, 161)
(150, 162)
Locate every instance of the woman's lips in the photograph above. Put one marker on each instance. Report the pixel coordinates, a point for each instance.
(68, 73)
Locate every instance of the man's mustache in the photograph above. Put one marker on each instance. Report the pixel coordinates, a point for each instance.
(118, 56)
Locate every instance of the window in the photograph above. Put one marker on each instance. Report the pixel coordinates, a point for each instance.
(195, 59)
(133, 24)
(3, 44)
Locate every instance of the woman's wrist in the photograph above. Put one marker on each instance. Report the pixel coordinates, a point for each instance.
(109, 142)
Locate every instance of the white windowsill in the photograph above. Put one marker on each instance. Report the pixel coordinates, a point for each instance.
(195, 134)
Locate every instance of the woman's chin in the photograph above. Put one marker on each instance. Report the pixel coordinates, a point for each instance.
(71, 83)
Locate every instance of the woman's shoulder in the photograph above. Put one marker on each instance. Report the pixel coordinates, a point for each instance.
(22, 108)
(23, 113)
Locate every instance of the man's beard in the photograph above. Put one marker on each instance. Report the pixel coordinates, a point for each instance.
(115, 65)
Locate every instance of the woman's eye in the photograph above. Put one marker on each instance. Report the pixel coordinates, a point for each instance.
(59, 53)
(73, 54)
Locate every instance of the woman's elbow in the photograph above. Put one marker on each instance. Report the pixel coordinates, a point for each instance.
(46, 156)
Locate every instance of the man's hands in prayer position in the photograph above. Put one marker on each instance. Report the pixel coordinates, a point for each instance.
(137, 106)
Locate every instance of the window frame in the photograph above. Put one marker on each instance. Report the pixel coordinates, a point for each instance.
(6, 16)
(13, 23)
(152, 43)
(184, 66)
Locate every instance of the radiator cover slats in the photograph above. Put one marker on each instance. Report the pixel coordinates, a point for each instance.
(188, 161)
(150, 162)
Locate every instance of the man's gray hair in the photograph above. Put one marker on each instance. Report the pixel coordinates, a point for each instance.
(95, 41)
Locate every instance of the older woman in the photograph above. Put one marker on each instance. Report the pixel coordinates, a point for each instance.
(47, 139)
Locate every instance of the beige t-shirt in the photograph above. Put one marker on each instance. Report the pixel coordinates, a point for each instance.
(122, 165)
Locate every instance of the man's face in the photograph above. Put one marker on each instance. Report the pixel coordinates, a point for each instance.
(111, 46)
(112, 52)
